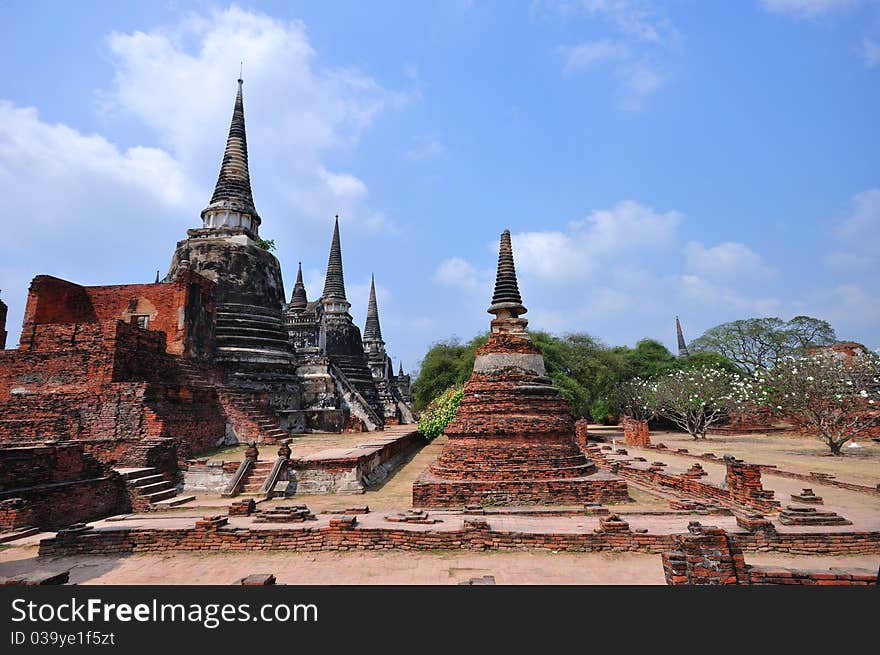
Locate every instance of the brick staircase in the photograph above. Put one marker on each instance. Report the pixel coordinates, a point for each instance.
(151, 489)
(255, 478)
(251, 421)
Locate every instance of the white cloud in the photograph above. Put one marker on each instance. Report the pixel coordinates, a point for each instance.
(425, 147)
(806, 8)
(643, 40)
(180, 81)
(564, 257)
(458, 272)
(728, 262)
(584, 56)
(847, 262)
(861, 229)
(557, 259)
(75, 199)
(870, 52)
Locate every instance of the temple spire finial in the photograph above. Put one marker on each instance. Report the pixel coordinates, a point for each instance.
(372, 330)
(682, 345)
(334, 283)
(400, 370)
(232, 204)
(298, 299)
(506, 299)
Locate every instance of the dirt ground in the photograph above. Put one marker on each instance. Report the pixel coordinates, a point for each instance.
(381, 568)
(790, 452)
(787, 450)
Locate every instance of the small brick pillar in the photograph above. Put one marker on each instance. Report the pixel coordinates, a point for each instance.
(635, 432)
(284, 450)
(744, 484)
(704, 556)
(243, 507)
(251, 451)
(581, 433)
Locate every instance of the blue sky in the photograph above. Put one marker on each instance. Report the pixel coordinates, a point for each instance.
(714, 160)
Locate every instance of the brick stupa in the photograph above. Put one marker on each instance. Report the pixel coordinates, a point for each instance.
(512, 439)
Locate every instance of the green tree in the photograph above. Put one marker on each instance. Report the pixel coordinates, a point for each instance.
(440, 412)
(756, 343)
(647, 360)
(697, 398)
(825, 394)
(446, 363)
(707, 358)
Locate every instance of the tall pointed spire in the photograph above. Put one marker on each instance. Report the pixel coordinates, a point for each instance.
(372, 330)
(334, 283)
(298, 299)
(232, 203)
(506, 297)
(682, 346)
(400, 370)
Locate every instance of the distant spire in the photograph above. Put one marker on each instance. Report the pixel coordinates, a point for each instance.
(372, 331)
(298, 300)
(233, 189)
(682, 346)
(400, 370)
(506, 295)
(334, 283)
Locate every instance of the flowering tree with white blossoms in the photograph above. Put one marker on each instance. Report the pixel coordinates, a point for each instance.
(634, 398)
(829, 394)
(696, 399)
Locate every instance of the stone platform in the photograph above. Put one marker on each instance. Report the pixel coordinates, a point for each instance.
(430, 490)
(353, 470)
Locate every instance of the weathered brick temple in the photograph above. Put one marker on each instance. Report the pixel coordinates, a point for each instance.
(512, 439)
(210, 354)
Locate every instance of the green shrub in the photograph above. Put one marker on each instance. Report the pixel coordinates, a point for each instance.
(440, 412)
(602, 413)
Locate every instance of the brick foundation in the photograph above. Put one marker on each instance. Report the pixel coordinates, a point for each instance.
(708, 555)
(512, 441)
(744, 488)
(56, 485)
(635, 433)
(344, 533)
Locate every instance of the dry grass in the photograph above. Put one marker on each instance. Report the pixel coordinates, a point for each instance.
(788, 451)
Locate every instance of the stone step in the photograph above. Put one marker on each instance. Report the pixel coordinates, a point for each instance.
(251, 340)
(135, 473)
(278, 356)
(231, 331)
(160, 495)
(147, 480)
(148, 489)
(19, 533)
(247, 309)
(174, 502)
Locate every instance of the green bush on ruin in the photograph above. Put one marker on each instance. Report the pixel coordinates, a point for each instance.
(440, 412)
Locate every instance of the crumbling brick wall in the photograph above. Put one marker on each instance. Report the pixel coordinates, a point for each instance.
(707, 555)
(55, 485)
(111, 381)
(635, 433)
(3, 310)
(184, 309)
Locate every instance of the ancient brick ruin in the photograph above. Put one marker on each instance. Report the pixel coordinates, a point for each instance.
(708, 555)
(212, 354)
(206, 355)
(512, 440)
(3, 310)
(55, 485)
